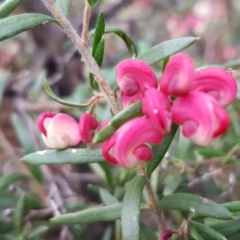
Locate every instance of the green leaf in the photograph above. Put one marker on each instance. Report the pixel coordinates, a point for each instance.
(3, 82)
(131, 208)
(207, 232)
(67, 156)
(8, 6)
(38, 85)
(37, 232)
(7, 200)
(123, 35)
(99, 31)
(104, 134)
(99, 214)
(52, 95)
(16, 24)
(6, 181)
(63, 5)
(159, 151)
(146, 233)
(92, 2)
(195, 204)
(19, 212)
(232, 206)
(166, 49)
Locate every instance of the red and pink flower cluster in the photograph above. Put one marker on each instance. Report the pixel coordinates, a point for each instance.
(194, 99)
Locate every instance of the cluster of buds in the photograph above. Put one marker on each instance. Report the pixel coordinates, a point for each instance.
(193, 99)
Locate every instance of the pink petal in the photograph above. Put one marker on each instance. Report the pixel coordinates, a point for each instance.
(134, 77)
(201, 117)
(42, 118)
(156, 107)
(166, 234)
(132, 135)
(178, 75)
(87, 124)
(217, 82)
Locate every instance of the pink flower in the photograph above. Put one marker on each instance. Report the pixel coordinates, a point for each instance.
(217, 82)
(156, 106)
(201, 117)
(178, 75)
(166, 234)
(129, 145)
(134, 77)
(59, 130)
(88, 123)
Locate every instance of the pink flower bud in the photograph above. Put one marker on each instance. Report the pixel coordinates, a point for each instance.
(166, 234)
(129, 145)
(156, 106)
(134, 77)
(87, 124)
(58, 130)
(201, 117)
(217, 82)
(178, 75)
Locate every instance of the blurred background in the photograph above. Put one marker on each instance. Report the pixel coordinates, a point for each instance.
(31, 195)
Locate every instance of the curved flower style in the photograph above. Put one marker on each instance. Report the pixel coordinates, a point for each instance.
(156, 106)
(134, 77)
(178, 75)
(201, 117)
(128, 146)
(87, 124)
(59, 130)
(217, 82)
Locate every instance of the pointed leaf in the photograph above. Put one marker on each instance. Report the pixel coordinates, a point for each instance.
(92, 2)
(37, 232)
(195, 204)
(131, 208)
(6, 181)
(16, 24)
(8, 6)
(166, 49)
(159, 151)
(19, 212)
(232, 206)
(99, 214)
(67, 156)
(207, 232)
(63, 5)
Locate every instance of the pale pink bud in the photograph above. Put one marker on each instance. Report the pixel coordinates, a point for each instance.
(178, 75)
(201, 117)
(87, 124)
(130, 146)
(134, 77)
(59, 130)
(217, 82)
(156, 106)
(166, 234)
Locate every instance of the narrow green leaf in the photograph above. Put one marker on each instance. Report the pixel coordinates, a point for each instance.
(108, 233)
(7, 200)
(37, 232)
(92, 2)
(67, 156)
(63, 5)
(99, 31)
(131, 208)
(194, 233)
(232, 64)
(16, 24)
(166, 49)
(52, 95)
(19, 212)
(195, 204)
(99, 214)
(8, 6)
(109, 178)
(104, 134)
(164, 63)
(123, 35)
(3, 82)
(227, 228)
(38, 85)
(146, 233)
(159, 151)
(232, 206)
(7, 180)
(207, 232)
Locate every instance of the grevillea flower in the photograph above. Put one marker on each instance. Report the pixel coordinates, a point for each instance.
(59, 130)
(201, 117)
(129, 145)
(166, 234)
(178, 75)
(87, 124)
(156, 107)
(217, 82)
(134, 77)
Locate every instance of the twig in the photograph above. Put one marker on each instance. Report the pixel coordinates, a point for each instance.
(83, 49)
(154, 204)
(86, 20)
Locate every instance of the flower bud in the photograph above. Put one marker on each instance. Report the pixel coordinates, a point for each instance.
(59, 130)
(166, 234)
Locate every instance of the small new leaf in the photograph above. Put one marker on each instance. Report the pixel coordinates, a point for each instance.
(92, 2)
